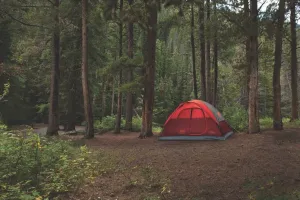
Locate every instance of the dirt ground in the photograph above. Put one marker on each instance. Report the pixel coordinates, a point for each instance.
(242, 167)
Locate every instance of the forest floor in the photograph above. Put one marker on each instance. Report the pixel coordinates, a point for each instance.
(260, 166)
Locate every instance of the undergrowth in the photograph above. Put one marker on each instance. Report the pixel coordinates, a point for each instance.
(267, 122)
(108, 124)
(33, 167)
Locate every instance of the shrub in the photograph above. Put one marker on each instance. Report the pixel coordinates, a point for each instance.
(237, 117)
(136, 123)
(108, 124)
(267, 122)
(38, 168)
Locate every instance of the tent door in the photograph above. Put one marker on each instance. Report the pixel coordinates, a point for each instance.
(198, 122)
(183, 122)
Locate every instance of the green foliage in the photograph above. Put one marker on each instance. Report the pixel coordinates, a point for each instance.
(237, 116)
(5, 90)
(3, 127)
(34, 167)
(267, 122)
(108, 124)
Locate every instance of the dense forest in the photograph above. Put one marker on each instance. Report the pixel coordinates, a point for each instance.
(126, 65)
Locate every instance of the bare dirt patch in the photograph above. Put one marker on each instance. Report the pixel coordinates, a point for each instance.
(242, 167)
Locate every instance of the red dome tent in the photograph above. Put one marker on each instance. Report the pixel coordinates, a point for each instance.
(196, 120)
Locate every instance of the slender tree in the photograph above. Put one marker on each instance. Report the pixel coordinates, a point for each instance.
(277, 120)
(208, 61)
(71, 96)
(193, 51)
(202, 50)
(129, 97)
(84, 73)
(53, 124)
(119, 109)
(215, 56)
(294, 68)
(247, 49)
(148, 98)
(253, 70)
(112, 110)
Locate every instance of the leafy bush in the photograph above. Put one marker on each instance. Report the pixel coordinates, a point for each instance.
(3, 127)
(237, 117)
(136, 123)
(108, 124)
(267, 122)
(37, 168)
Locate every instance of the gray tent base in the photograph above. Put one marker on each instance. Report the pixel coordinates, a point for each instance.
(191, 138)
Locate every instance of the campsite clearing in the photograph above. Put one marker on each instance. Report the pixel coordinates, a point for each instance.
(258, 166)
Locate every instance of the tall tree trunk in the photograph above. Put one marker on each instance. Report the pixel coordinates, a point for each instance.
(103, 98)
(208, 61)
(193, 52)
(247, 48)
(119, 111)
(84, 73)
(71, 104)
(53, 124)
(150, 71)
(277, 121)
(202, 51)
(294, 67)
(253, 75)
(215, 56)
(112, 111)
(129, 97)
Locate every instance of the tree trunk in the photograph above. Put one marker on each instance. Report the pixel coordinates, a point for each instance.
(247, 46)
(71, 104)
(105, 82)
(150, 71)
(112, 111)
(277, 121)
(53, 124)
(215, 57)
(193, 52)
(84, 72)
(253, 75)
(202, 51)
(119, 111)
(294, 67)
(129, 97)
(208, 61)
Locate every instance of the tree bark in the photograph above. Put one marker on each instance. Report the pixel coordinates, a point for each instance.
(71, 104)
(215, 57)
(247, 48)
(112, 111)
(193, 52)
(208, 61)
(253, 75)
(294, 67)
(84, 73)
(202, 51)
(104, 86)
(150, 71)
(119, 110)
(277, 120)
(53, 124)
(129, 97)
